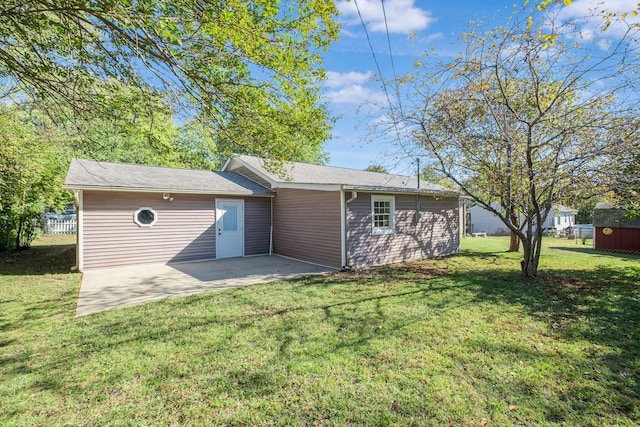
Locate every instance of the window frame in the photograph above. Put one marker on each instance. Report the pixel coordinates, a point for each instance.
(145, 208)
(391, 228)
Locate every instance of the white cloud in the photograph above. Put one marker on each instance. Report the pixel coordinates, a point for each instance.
(428, 39)
(588, 14)
(403, 17)
(348, 88)
(355, 94)
(335, 79)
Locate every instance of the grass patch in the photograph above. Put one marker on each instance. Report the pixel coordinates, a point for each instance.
(460, 340)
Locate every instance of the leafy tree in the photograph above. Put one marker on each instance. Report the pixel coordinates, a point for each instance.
(247, 70)
(625, 179)
(527, 115)
(138, 129)
(376, 168)
(585, 212)
(431, 174)
(31, 174)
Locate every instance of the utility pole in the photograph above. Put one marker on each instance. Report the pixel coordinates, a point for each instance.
(418, 193)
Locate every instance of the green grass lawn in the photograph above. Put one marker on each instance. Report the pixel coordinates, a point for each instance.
(455, 341)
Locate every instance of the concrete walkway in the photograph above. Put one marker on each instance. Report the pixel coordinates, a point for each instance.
(120, 287)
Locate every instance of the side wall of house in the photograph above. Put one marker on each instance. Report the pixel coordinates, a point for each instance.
(184, 230)
(307, 226)
(483, 221)
(257, 224)
(437, 232)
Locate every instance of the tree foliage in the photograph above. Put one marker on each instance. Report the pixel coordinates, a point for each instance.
(36, 150)
(625, 176)
(31, 175)
(111, 80)
(141, 128)
(247, 71)
(376, 168)
(527, 115)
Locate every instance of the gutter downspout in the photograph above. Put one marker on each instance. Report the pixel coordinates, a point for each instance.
(354, 195)
(271, 230)
(418, 193)
(78, 199)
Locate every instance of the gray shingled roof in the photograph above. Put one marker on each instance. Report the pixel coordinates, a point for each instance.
(91, 174)
(608, 215)
(562, 208)
(304, 173)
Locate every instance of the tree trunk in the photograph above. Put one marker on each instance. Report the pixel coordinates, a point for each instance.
(20, 225)
(529, 269)
(514, 244)
(531, 247)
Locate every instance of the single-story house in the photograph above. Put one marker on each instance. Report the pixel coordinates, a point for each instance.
(336, 217)
(483, 221)
(560, 217)
(613, 231)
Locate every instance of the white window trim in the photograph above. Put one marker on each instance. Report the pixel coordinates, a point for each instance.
(145, 208)
(391, 229)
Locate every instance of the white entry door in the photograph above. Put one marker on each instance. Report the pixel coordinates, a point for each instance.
(229, 228)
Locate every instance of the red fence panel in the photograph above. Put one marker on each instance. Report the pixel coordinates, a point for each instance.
(618, 239)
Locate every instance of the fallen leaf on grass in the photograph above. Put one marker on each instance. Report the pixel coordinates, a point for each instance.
(512, 407)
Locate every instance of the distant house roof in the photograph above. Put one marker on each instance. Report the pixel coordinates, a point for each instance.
(91, 174)
(293, 174)
(609, 215)
(561, 208)
(603, 205)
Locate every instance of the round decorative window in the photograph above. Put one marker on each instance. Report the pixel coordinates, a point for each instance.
(607, 231)
(145, 217)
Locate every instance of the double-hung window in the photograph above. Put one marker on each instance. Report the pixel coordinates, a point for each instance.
(383, 214)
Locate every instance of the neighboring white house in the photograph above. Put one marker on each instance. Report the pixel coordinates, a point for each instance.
(483, 221)
(560, 217)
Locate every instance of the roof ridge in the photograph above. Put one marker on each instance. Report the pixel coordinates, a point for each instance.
(324, 166)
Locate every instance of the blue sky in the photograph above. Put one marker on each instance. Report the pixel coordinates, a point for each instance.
(414, 27)
(351, 68)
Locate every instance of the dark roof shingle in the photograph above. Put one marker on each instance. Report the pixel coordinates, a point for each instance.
(304, 173)
(91, 174)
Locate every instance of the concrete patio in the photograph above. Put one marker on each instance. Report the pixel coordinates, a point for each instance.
(121, 287)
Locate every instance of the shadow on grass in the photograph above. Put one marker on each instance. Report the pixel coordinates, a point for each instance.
(592, 251)
(37, 260)
(481, 255)
(600, 306)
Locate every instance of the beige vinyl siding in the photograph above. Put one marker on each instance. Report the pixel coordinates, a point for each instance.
(307, 226)
(184, 230)
(436, 234)
(247, 173)
(257, 223)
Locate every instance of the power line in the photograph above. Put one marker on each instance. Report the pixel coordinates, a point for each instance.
(400, 145)
(393, 65)
(397, 84)
(375, 60)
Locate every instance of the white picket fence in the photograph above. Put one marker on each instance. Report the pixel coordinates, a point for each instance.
(57, 226)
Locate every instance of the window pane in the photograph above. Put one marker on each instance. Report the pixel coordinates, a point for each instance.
(230, 218)
(381, 213)
(146, 217)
